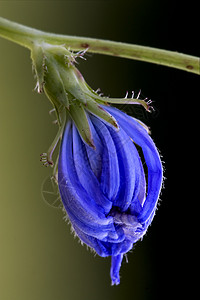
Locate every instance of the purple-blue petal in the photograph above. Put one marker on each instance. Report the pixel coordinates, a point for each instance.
(110, 176)
(129, 164)
(140, 136)
(95, 155)
(86, 177)
(81, 208)
(104, 190)
(115, 267)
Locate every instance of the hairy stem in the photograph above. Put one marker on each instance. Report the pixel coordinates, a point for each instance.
(26, 36)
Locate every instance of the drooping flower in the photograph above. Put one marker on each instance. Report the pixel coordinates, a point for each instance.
(109, 201)
(109, 171)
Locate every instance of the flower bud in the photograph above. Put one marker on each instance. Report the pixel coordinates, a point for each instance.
(108, 198)
(66, 88)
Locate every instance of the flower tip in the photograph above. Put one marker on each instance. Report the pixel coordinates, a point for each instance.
(39, 88)
(115, 281)
(91, 144)
(115, 267)
(114, 124)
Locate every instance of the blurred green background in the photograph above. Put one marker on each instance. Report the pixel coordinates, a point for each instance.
(39, 257)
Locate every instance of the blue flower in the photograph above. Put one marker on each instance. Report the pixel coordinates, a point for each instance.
(109, 171)
(110, 191)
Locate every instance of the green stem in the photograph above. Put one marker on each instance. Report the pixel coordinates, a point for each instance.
(26, 36)
(18, 33)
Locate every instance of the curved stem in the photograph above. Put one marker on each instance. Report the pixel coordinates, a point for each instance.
(26, 36)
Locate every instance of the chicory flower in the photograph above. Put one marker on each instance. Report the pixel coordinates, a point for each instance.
(109, 171)
(109, 201)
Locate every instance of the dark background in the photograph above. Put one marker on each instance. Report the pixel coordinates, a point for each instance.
(40, 259)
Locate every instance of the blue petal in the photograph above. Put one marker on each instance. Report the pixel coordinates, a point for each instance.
(110, 176)
(139, 197)
(81, 208)
(92, 242)
(117, 248)
(85, 174)
(132, 229)
(115, 267)
(129, 164)
(95, 155)
(105, 248)
(151, 155)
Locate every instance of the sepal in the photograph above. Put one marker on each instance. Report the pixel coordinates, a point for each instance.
(54, 85)
(80, 119)
(124, 100)
(67, 90)
(100, 112)
(38, 59)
